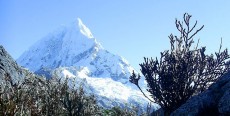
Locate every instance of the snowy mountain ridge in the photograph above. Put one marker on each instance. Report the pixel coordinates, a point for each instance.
(75, 45)
(73, 52)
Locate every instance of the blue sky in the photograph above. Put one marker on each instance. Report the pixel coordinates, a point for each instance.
(130, 28)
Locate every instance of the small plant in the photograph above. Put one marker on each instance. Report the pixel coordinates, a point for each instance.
(118, 111)
(182, 71)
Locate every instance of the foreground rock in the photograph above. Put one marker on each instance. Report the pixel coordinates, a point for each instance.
(9, 68)
(214, 101)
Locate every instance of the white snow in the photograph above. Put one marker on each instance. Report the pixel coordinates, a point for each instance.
(83, 73)
(67, 74)
(109, 88)
(84, 30)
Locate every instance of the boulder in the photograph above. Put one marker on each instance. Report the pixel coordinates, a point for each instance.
(214, 101)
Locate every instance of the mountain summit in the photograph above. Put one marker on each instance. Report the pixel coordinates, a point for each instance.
(74, 45)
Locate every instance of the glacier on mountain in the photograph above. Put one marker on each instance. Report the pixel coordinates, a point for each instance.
(73, 52)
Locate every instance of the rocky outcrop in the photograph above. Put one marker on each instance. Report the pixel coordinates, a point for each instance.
(9, 68)
(214, 101)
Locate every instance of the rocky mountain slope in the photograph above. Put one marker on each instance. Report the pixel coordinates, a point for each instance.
(9, 68)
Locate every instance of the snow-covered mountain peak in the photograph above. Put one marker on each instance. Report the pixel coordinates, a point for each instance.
(83, 29)
(79, 35)
(74, 53)
(74, 45)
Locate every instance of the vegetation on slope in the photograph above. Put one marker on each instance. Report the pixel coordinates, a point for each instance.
(38, 96)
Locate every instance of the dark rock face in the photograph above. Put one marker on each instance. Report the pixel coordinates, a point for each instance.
(212, 102)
